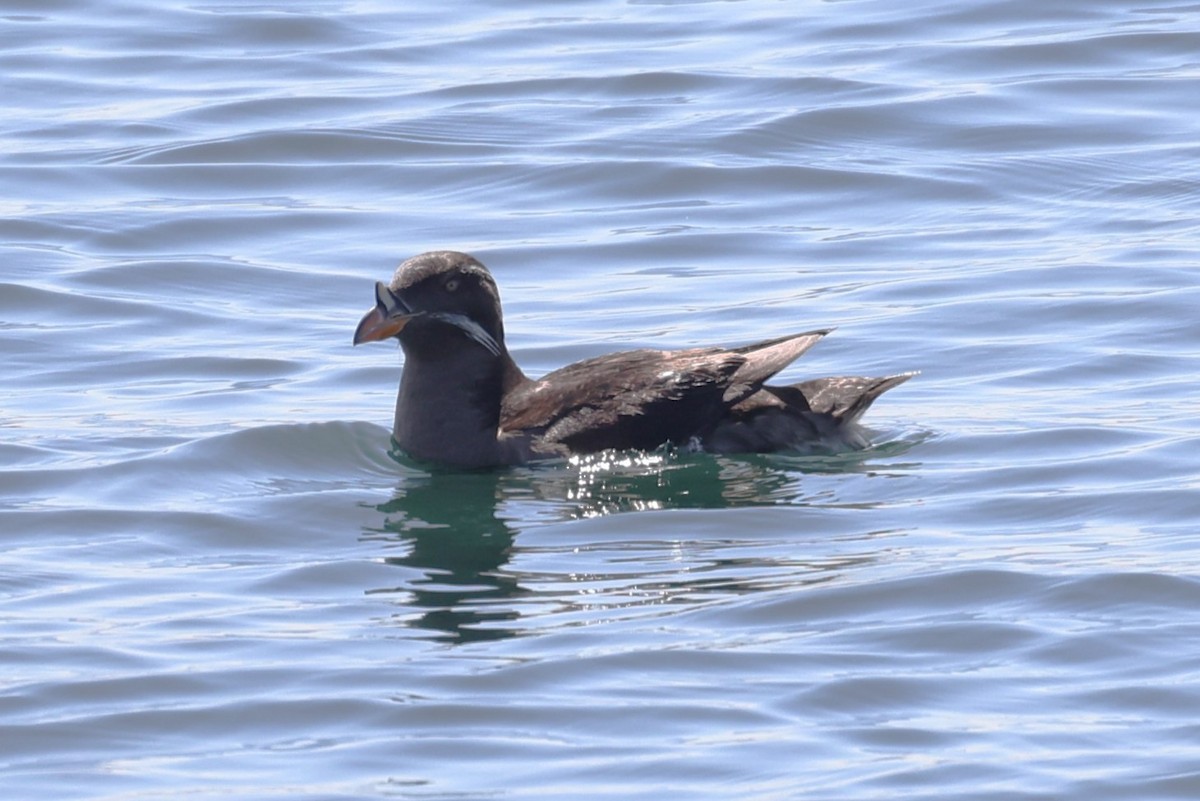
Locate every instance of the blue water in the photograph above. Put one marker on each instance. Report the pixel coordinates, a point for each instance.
(217, 582)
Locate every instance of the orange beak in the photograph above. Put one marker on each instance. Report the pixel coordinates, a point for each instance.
(387, 319)
(374, 327)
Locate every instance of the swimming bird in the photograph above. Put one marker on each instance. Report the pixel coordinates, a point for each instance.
(464, 402)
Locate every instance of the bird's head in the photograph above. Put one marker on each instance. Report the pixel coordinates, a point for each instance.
(432, 297)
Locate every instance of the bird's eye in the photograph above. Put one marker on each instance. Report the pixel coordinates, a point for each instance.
(451, 284)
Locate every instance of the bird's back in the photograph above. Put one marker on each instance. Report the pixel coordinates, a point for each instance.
(643, 398)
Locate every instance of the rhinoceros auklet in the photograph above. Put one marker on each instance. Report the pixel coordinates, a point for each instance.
(464, 402)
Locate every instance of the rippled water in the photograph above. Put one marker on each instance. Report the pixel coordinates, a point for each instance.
(218, 582)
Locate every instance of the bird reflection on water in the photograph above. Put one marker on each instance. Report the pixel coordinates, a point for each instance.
(459, 528)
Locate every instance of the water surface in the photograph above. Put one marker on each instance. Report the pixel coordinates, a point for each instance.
(217, 581)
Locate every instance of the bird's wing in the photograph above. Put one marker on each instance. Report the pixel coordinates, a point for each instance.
(634, 399)
(765, 359)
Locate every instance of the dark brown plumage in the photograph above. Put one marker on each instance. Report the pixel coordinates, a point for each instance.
(464, 402)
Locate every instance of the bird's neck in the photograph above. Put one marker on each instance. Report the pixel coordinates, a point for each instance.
(448, 408)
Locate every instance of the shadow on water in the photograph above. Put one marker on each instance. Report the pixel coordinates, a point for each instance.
(458, 528)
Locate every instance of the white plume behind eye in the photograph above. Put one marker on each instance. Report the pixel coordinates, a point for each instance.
(471, 328)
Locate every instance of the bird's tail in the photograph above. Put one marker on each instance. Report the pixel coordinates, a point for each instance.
(846, 398)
